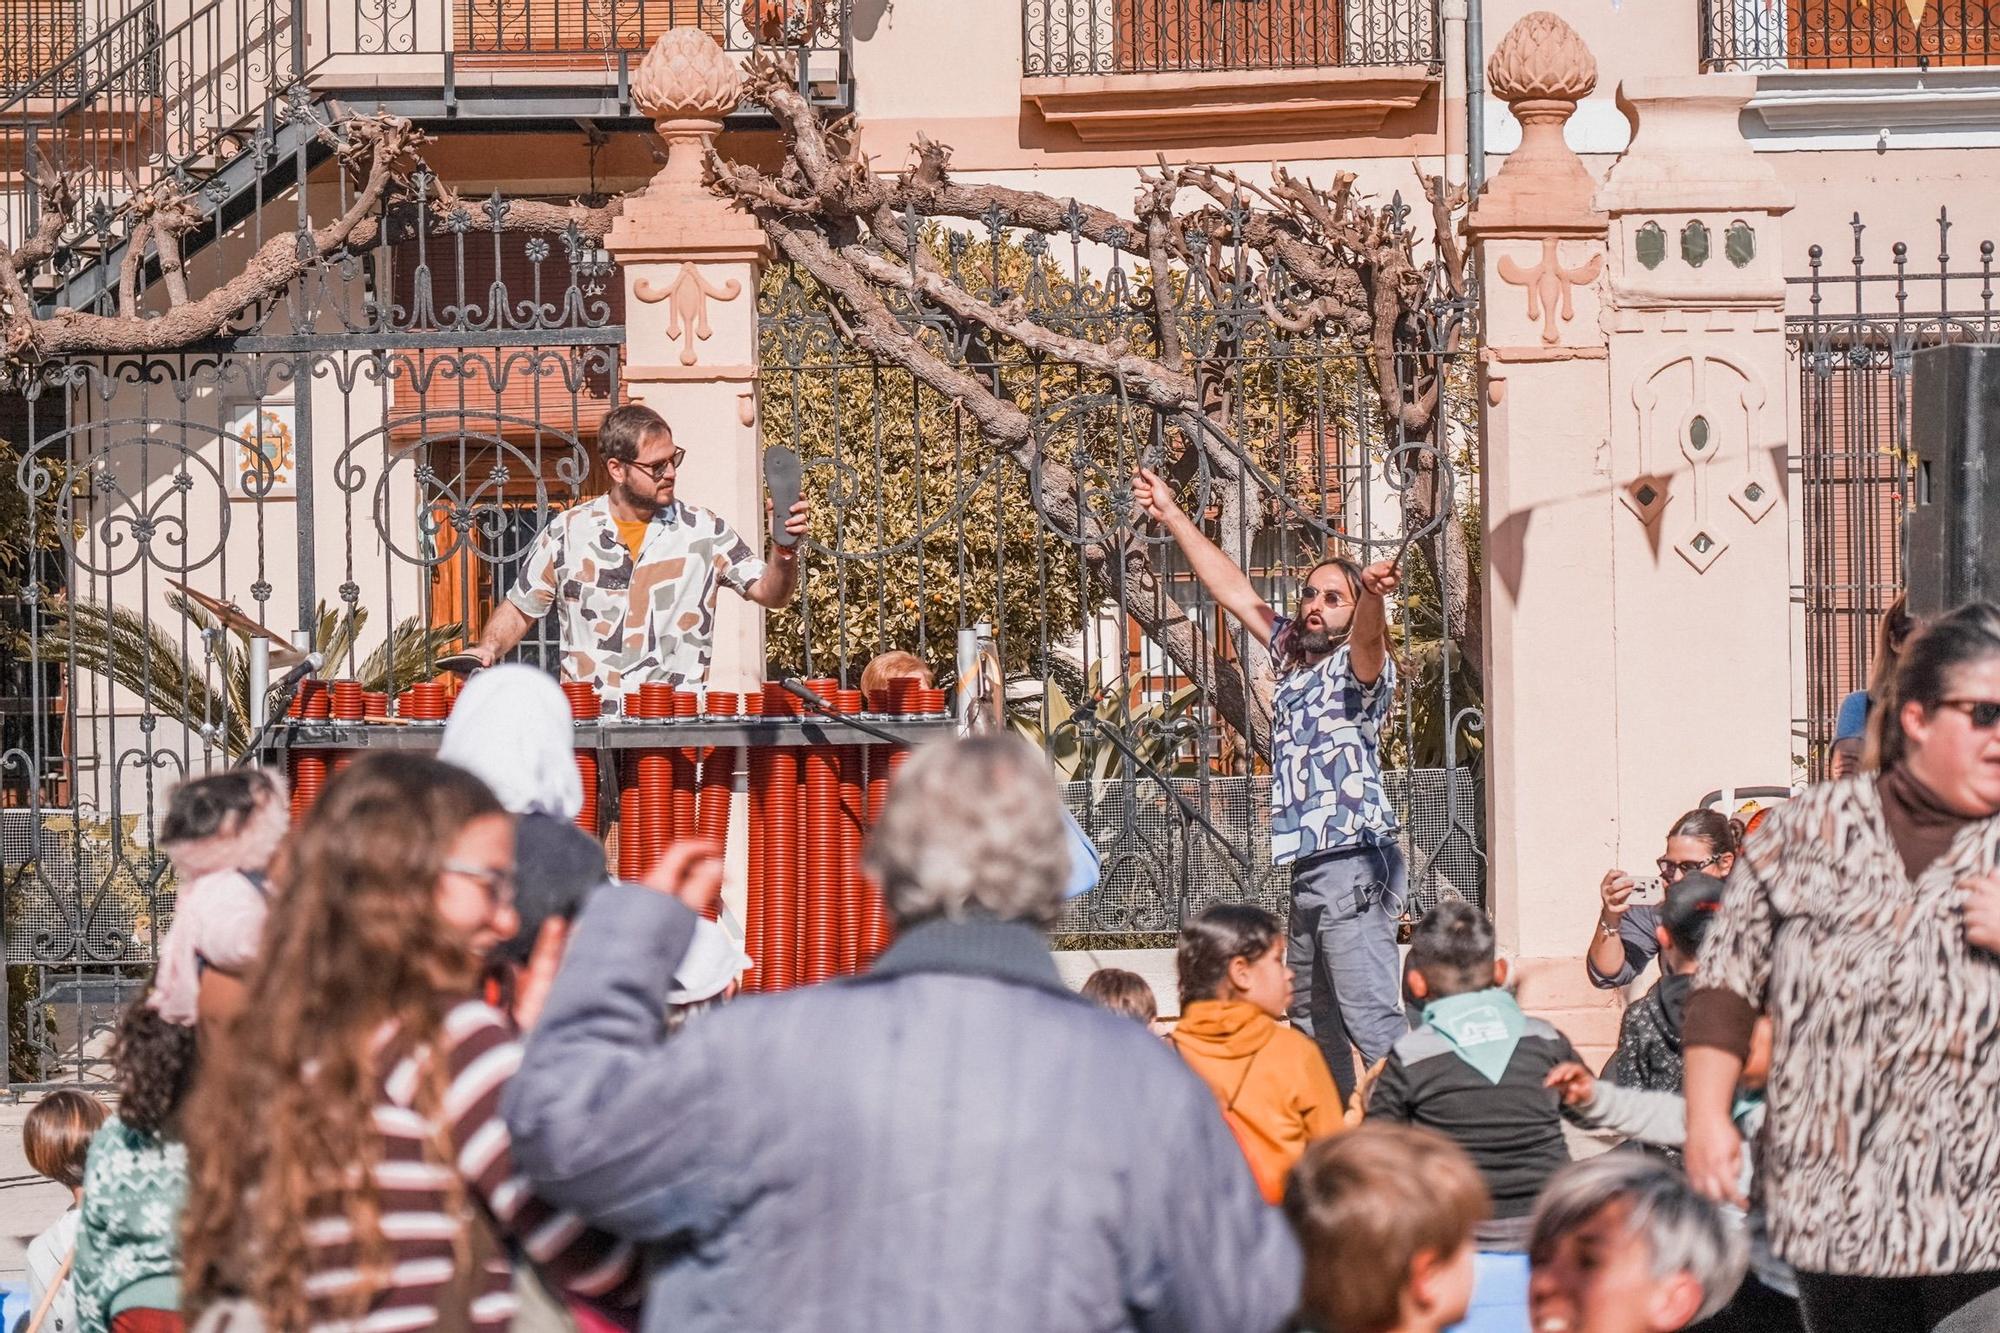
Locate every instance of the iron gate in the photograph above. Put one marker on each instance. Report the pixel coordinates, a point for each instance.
(923, 531)
(366, 458)
(1855, 323)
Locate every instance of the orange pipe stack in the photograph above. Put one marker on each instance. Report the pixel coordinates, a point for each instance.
(683, 764)
(756, 900)
(852, 762)
(656, 780)
(348, 705)
(820, 947)
(308, 768)
(584, 707)
(781, 856)
(716, 783)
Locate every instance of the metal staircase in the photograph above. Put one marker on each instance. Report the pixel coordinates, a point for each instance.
(226, 103)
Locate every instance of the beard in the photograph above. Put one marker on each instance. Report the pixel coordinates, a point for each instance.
(1316, 642)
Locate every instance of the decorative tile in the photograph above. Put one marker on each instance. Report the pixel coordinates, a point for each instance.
(1694, 244)
(1739, 243)
(1649, 245)
(1754, 498)
(1701, 550)
(1645, 496)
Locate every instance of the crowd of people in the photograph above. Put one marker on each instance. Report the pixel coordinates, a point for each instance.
(419, 1063)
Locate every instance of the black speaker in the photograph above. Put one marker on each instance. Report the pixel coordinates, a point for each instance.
(1953, 529)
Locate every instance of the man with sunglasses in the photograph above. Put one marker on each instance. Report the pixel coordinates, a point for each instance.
(1331, 820)
(636, 571)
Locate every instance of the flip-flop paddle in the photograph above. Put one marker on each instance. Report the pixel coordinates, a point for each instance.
(783, 476)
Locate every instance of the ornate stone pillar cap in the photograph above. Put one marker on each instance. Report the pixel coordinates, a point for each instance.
(1541, 69)
(1688, 153)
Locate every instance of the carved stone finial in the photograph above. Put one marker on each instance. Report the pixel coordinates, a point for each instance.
(1541, 59)
(1542, 69)
(686, 77)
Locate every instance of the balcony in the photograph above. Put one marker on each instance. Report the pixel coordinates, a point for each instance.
(1128, 71)
(1764, 36)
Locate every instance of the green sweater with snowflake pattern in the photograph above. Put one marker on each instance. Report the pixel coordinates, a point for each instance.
(128, 1244)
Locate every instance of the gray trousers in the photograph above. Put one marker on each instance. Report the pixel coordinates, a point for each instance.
(1347, 984)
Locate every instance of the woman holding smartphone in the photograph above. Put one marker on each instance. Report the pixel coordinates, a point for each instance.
(1626, 937)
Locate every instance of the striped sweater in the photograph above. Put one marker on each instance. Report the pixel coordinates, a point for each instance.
(419, 1198)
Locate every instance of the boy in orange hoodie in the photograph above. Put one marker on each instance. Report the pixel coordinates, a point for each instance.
(1272, 1083)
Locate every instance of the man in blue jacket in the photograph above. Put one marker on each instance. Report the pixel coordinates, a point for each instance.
(953, 1141)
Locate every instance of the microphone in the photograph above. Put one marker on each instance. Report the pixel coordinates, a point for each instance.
(308, 664)
(794, 686)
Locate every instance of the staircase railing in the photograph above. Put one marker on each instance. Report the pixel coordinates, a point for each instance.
(134, 104)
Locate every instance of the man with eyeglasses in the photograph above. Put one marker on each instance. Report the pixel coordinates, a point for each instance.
(1331, 820)
(636, 571)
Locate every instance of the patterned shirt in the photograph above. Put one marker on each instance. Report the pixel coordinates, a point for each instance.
(1878, 1157)
(627, 622)
(1326, 759)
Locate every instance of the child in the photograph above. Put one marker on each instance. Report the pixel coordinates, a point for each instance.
(1474, 1069)
(1621, 1243)
(1124, 993)
(1385, 1216)
(55, 1137)
(1273, 1084)
(135, 1183)
(1649, 1038)
(221, 832)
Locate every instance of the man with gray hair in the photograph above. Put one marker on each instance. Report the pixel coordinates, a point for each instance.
(952, 1141)
(1621, 1243)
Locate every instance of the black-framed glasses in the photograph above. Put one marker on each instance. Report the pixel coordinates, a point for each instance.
(657, 471)
(1680, 869)
(498, 881)
(1984, 713)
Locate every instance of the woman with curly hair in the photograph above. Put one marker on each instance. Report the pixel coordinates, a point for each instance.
(350, 1166)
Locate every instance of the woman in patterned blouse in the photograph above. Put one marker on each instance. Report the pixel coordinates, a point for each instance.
(1843, 924)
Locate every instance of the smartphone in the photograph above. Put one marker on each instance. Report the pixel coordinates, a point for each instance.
(1647, 891)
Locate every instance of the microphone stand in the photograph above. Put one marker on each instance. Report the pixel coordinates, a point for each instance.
(272, 718)
(822, 708)
(1165, 784)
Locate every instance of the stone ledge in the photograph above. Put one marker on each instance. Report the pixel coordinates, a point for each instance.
(1226, 104)
(1871, 100)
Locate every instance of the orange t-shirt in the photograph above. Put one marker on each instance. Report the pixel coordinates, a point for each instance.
(633, 534)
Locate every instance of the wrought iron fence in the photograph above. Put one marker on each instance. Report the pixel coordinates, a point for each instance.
(1760, 35)
(365, 458)
(1861, 321)
(1068, 37)
(924, 531)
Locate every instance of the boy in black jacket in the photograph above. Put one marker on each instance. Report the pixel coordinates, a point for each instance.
(1474, 1070)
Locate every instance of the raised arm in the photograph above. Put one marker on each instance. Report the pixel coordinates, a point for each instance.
(1368, 633)
(1226, 583)
(774, 587)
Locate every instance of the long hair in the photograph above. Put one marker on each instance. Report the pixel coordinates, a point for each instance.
(1286, 656)
(1929, 663)
(282, 1128)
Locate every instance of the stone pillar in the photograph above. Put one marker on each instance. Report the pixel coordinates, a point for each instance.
(1637, 571)
(690, 261)
(1694, 317)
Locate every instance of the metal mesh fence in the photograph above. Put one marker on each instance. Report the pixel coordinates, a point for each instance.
(1160, 866)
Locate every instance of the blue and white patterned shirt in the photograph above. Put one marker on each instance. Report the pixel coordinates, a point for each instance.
(1326, 759)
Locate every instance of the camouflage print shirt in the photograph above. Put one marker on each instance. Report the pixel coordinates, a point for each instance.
(1326, 759)
(625, 623)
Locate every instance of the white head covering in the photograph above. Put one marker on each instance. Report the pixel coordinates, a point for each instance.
(511, 728)
(714, 959)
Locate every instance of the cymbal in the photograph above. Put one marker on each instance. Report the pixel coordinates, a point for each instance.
(227, 613)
